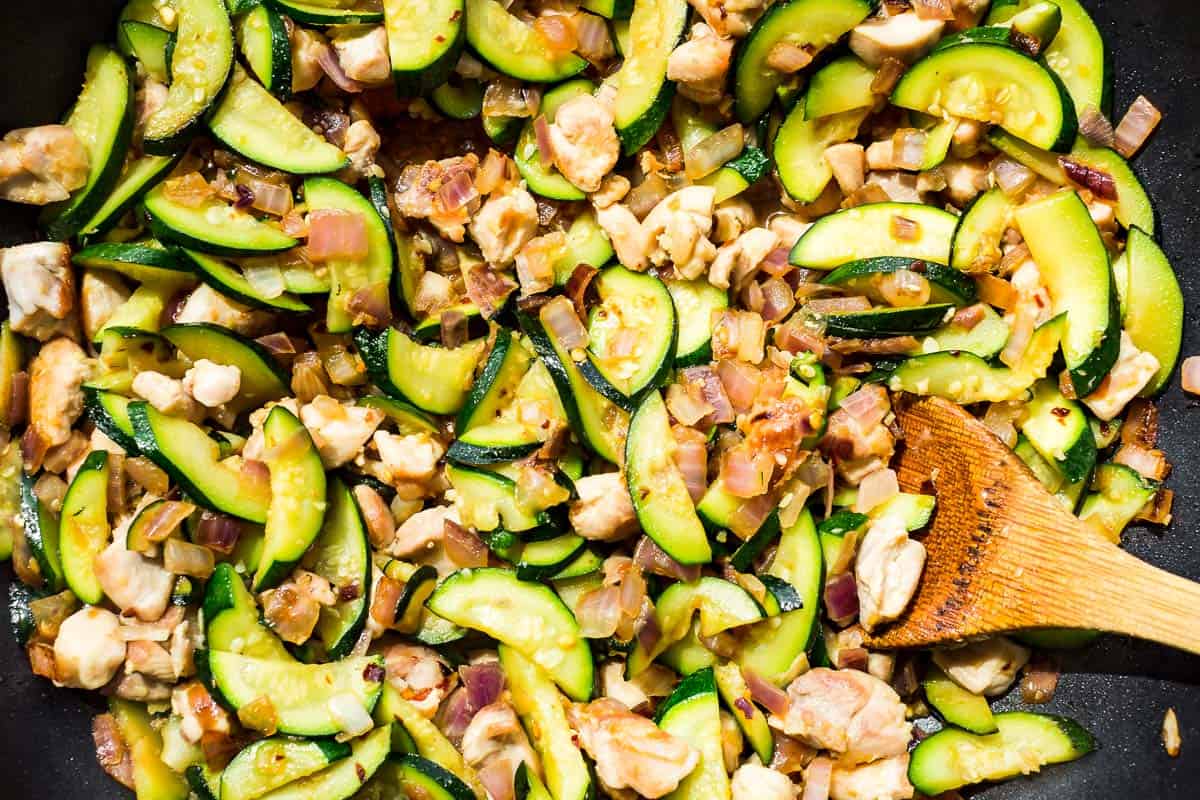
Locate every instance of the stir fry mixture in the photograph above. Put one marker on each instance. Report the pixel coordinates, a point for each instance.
(473, 400)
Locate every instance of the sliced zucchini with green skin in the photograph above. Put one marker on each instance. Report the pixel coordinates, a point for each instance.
(214, 227)
(145, 11)
(610, 9)
(108, 411)
(947, 285)
(1154, 319)
(843, 84)
(205, 783)
(985, 339)
(434, 379)
(344, 777)
(695, 301)
(262, 379)
(1075, 270)
(539, 703)
(800, 146)
(688, 655)
(585, 564)
(1058, 429)
(420, 777)
(137, 178)
(773, 649)
(1118, 494)
(966, 378)
(718, 604)
(643, 93)
(977, 238)
(461, 101)
(544, 559)
(868, 231)
(325, 14)
(956, 705)
(152, 779)
(1023, 742)
(639, 306)
(496, 383)
(83, 527)
(737, 174)
(298, 499)
(803, 23)
(597, 421)
(587, 243)
(200, 65)
(407, 418)
(528, 617)
(187, 453)
(490, 503)
(263, 38)
(144, 262)
(693, 714)
(528, 786)
(915, 510)
(513, 48)
(349, 277)
(992, 83)
(660, 497)
(20, 616)
(747, 553)
(225, 278)
(430, 742)
(252, 121)
(424, 42)
(548, 181)
(301, 693)
(494, 443)
(342, 556)
(502, 130)
(102, 119)
(270, 763)
(731, 685)
(419, 583)
(41, 535)
(231, 619)
(887, 321)
(149, 44)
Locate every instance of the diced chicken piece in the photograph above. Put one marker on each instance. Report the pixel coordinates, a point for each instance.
(212, 384)
(731, 219)
(537, 261)
(409, 458)
(418, 193)
(150, 659)
(41, 289)
(361, 146)
(886, 779)
(788, 227)
(198, 712)
(1103, 214)
(151, 96)
(100, 294)
(848, 161)
(339, 430)
(629, 239)
(99, 441)
(363, 53)
(738, 261)
(887, 570)
(654, 681)
(678, 228)
(755, 782)
(495, 744)
(853, 714)
(968, 13)
(612, 190)
(700, 64)
(422, 677)
(985, 667)
(584, 140)
(1133, 370)
(630, 751)
(42, 165)
(89, 649)
(729, 17)
(166, 394)
(900, 187)
(881, 155)
(964, 179)
(968, 135)
(307, 46)
(504, 225)
(860, 447)
(206, 304)
(905, 37)
(55, 396)
(422, 533)
(603, 512)
(133, 582)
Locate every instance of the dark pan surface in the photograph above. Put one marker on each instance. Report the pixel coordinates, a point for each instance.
(1118, 689)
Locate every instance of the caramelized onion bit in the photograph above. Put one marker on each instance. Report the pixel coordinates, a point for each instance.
(1136, 126)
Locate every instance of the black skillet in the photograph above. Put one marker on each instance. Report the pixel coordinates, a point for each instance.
(1118, 689)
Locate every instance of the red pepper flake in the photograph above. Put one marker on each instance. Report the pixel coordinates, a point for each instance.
(439, 38)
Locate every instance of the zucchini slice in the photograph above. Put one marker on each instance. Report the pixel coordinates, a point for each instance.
(371, 274)
(424, 42)
(324, 14)
(109, 412)
(41, 535)
(150, 45)
(843, 84)
(540, 705)
(695, 302)
(144, 262)
(513, 48)
(342, 556)
(956, 705)
(587, 243)
(152, 778)
(731, 685)
(610, 9)
(214, 227)
(200, 65)
(460, 100)
(144, 11)
(996, 84)
(643, 91)
(136, 180)
(887, 321)
(298, 499)
(633, 307)
(660, 497)
(976, 243)
(263, 380)
(717, 604)
(496, 383)
(428, 739)
(545, 559)
(1075, 269)
(548, 181)
(301, 693)
(1058, 429)
(102, 119)
(946, 285)
(775, 648)
(192, 459)
(494, 443)
(870, 230)
(408, 419)
(804, 23)
(1154, 302)
(1023, 742)
(263, 38)
(83, 527)
(231, 619)
(693, 714)
(419, 777)
(488, 502)
(1118, 494)
(251, 121)
(527, 617)
(225, 278)
(344, 777)
(800, 146)
(270, 763)
(434, 379)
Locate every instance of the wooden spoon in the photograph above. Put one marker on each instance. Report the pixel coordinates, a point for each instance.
(1004, 554)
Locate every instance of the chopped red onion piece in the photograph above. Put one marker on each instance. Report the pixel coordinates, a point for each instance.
(841, 598)
(653, 559)
(1096, 127)
(765, 693)
(484, 682)
(545, 145)
(333, 69)
(463, 547)
(560, 319)
(817, 778)
(1190, 375)
(1136, 126)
